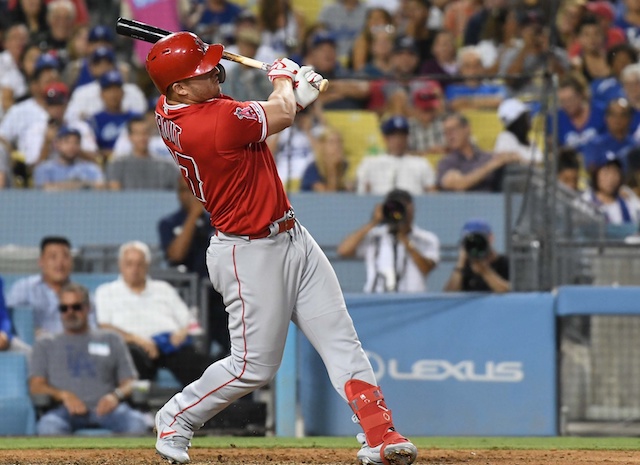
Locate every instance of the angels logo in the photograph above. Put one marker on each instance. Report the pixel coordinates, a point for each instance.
(247, 113)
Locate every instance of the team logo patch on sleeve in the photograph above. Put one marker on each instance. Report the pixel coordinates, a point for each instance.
(247, 112)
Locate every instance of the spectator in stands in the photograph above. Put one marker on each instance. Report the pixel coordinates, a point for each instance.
(604, 192)
(479, 268)
(618, 58)
(379, 63)
(443, 64)
(465, 167)
(88, 372)
(61, 15)
(21, 115)
(79, 71)
(515, 117)
(66, 170)
(40, 292)
(377, 19)
(247, 22)
(109, 122)
(570, 13)
(123, 147)
(578, 120)
(85, 100)
(417, 28)
(328, 172)
(604, 13)
(632, 178)
(426, 115)
(499, 37)
(591, 62)
(13, 85)
(616, 139)
(37, 142)
(31, 13)
(396, 169)
(8, 340)
(630, 78)
(629, 21)
(184, 238)
(244, 83)
(399, 255)
(212, 20)
(487, 21)
(473, 91)
(531, 56)
(457, 14)
(293, 148)
(150, 316)
(345, 18)
(282, 26)
(569, 168)
(140, 170)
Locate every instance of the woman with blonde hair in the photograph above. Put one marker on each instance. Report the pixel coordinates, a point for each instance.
(328, 172)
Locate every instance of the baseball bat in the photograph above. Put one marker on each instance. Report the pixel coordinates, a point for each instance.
(148, 33)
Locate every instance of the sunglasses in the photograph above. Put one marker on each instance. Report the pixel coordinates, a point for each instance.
(75, 307)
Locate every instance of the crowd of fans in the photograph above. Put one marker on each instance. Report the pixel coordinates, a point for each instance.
(76, 105)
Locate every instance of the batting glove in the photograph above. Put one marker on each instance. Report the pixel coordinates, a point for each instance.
(305, 87)
(283, 68)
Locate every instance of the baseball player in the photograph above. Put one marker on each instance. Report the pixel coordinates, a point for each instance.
(268, 268)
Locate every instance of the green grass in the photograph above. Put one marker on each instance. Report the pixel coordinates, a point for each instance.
(541, 443)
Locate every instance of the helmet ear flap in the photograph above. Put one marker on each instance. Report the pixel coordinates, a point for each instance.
(222, 73)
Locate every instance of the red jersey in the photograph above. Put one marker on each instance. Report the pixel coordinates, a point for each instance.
(220, 149)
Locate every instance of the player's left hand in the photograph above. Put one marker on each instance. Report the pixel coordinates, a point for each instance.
(305, 87)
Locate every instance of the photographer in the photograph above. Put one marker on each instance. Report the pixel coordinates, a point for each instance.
(479, 268)
(398, 254)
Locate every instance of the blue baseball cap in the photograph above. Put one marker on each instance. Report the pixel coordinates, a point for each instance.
(323, 37)
(46, 61)
(65, 131)
(111, 78)
(100, 33)
(395, 124)
(476, 225)
(103, 53)
(605, 158)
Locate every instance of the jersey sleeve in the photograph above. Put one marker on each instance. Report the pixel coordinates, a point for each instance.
(240, 124)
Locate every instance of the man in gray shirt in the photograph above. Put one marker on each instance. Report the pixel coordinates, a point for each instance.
(141, 170)
(89, 372)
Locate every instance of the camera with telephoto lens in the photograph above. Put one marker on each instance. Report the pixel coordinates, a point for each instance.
(476, 245)
(393, 212)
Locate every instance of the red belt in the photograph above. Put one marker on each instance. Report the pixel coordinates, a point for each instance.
(283, 226)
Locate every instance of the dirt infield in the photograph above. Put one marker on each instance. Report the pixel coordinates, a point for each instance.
(250, 456)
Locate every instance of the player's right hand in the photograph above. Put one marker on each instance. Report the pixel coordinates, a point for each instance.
(283, 67)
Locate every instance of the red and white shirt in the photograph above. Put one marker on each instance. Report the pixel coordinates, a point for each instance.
(220, 148)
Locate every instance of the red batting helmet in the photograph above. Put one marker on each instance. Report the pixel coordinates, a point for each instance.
(178, 56)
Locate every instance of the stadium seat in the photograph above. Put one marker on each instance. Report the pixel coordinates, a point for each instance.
(23, 323)
(15, 404)
(360, 132)
(485, 127)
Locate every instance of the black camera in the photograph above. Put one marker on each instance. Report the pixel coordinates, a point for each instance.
(476, 245)
(393, 212)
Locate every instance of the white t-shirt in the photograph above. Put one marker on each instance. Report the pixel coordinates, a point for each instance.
(85, 101)
(293, 154)
(158, 309)
(382, 173)
(11, 77)
(508, 142)
(19, 117)
(377, 250)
